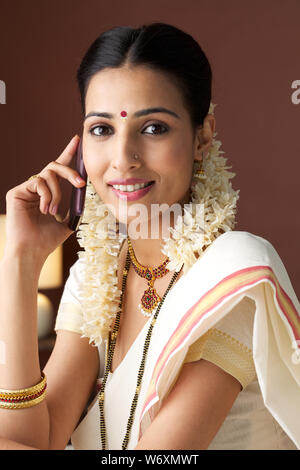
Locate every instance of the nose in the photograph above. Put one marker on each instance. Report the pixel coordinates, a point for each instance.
(123, 160)
(125, 163)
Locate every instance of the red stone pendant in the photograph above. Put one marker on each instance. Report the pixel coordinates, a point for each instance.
(149, 302)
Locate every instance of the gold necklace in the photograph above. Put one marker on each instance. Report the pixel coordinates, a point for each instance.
(150, 298)
(111, 347)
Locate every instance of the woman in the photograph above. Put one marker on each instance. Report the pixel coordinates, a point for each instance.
(177, 339)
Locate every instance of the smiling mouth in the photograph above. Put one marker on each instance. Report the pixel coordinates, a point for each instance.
(134, 190)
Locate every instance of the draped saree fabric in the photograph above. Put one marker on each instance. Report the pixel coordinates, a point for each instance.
(239, 287)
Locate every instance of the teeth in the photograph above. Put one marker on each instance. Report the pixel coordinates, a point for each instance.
(129, 187)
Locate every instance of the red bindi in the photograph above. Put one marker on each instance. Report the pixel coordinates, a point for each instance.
(123, 113)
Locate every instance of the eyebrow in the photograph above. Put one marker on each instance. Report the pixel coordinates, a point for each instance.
(142, 112)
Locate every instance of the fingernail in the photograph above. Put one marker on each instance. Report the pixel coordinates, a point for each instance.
(79, 180)
(53, 210)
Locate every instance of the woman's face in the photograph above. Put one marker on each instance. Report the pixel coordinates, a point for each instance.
(164, 142)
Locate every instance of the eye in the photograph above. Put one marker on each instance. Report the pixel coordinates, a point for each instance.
(160, 126)
(91, 131)
(98, 133)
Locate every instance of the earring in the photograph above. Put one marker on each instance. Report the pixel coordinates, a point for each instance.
(135, 157)
(199, 173)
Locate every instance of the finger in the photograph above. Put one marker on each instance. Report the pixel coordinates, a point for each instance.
(64, 172)
(52, 181)
(67, 217)
(67, 155)
(39, 186)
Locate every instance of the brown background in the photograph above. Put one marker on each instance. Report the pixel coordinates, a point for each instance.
(253, 48)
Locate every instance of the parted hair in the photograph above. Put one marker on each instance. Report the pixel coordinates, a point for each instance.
(161, 47)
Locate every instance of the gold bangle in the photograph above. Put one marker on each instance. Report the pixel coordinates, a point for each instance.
(23, 404)
(21, 397)
(24, 392)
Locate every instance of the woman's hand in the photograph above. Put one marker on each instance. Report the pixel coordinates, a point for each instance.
(30, 225)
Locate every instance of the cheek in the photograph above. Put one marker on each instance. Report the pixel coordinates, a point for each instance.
(94, 164)
(176, 165)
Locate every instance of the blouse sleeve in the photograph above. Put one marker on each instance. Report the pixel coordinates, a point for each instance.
(229, 343)
(69, 315)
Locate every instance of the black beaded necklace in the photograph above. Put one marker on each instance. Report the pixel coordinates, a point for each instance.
(111, 348)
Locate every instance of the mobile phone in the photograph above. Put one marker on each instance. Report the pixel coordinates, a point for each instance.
(78, 194)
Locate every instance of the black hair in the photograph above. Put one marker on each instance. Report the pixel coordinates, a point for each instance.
(161, 47)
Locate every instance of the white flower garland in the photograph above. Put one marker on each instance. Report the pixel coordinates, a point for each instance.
(211, 212)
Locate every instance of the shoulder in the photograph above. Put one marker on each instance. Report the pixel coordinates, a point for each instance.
(236, 243)
(77, 268)
(234, 251)
(245, 240)
(74, 284)
(77, 271)
(231, 259)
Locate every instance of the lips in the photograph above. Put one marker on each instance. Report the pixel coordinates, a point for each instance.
(133, 195)
(128, 181)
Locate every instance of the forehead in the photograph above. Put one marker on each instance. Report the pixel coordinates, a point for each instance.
(132, 88)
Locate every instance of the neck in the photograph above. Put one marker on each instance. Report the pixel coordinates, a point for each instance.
(147, 246)
(148, 251)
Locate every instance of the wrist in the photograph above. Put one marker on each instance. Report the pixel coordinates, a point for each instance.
(24, 260)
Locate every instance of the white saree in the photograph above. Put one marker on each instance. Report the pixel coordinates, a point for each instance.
(238, 291)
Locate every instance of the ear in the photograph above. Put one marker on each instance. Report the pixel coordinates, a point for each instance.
(204, 136)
